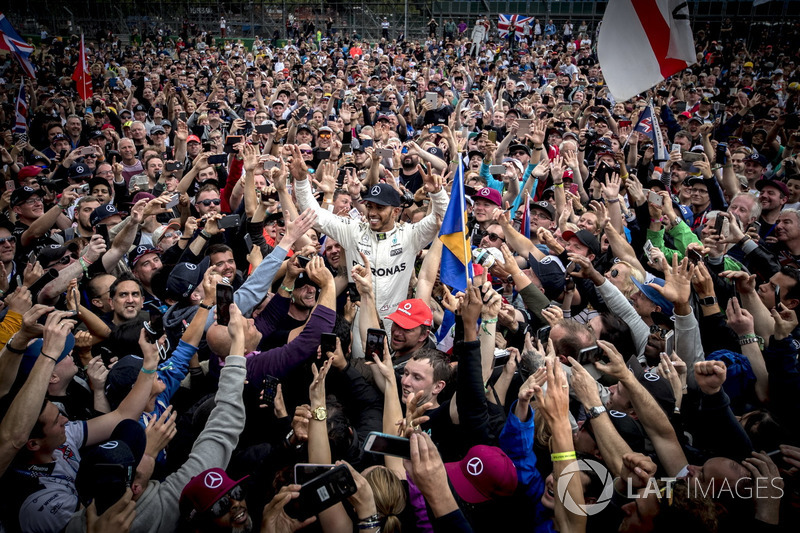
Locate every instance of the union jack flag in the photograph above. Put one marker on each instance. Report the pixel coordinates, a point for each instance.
(515, 22)
(21, 123)
(648, 125)
(11, 41)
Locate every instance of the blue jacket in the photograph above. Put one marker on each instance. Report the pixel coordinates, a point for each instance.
(516, 440)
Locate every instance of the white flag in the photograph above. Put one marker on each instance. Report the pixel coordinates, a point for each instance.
(642, 42)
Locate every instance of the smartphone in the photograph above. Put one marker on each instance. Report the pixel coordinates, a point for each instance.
(492, 135)
(648, 247)
(691, 157)
(303, 261)
(655, 198)
(219, 159)
(571, 267)
(173, 166)
(265, 129)
(109, 482)
(102, 230)
(565, 108)
(88, 150)
(386, 444)
(305, 472)
(248, 242)
(174, 202)
(269, 390)
(182, 116)
(545, 99)
(573, 189)
(432, 99)
(366, 143)
(302, 112)
(323, 154)
(230, 142)
(374, 347)
(602, 172)
(154, 328)
(589, 355)
(224, 300)
(676, 147)
(322, 492)
(669, 343)
(10, 185)
(353, 293)
(754, 226)
(722, 153)
(328, 344)
(40, 283)
(496, 170)
(694, 256)
(719, 223)
(347, 148)
(229, 221)
(543, 335)
(777, 296)
(436, 129)
(524, 126)
(270, 165)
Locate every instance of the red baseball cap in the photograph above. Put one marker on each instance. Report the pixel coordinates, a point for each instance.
(685, 114)
(412, 313)
(28, 171)
(203, 491)
(192, 138)
(490, 195)
(483, 474)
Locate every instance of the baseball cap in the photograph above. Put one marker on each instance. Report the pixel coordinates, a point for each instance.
(516, 162)
(412, 313)
(778, 184)
(79, 170)
(204, 490)
(304, 127)
(758, 159)
(628, 428)
(141, 251)
(382, 194)
(34, 349)
(685, 114)
(121, 378)
(192, 139)
(551, 274)
(54, 252)
(186, 277)
(484, 473)
(139, 107)
(21, 194)
(547, 207)
(653, 295)
(157, 129)
(490, 195)
(435, 150)
(103, 212)
(748, 64)
(586, 237)
(96, 134)
(657, 386)
(159, 232)
(29, 171)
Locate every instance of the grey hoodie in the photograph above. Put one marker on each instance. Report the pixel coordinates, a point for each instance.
(157, 509)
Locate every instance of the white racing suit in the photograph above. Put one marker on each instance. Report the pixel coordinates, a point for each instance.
(391, 254)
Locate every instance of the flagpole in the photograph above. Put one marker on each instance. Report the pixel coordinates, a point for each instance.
(463, 207)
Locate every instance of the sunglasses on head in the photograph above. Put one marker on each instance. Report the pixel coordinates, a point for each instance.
(223, 506)
(208, 202)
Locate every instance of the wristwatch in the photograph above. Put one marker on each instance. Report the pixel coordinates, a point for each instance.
(594, 412)
(320, 413)
(708, 300)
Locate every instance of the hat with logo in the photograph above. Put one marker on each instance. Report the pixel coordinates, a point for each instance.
(103, 212)
(96, 134)
(186, 277)
(79, 170)
(490, 195)
(547, 207)
(653, 295)
(685, 114)
(757, 159)
(302, 127)
(21, 194)
(157, 129)
(519, 147)
(29, 171)
(435, 150)
(657, 386)
(551, 273)
(204, 490)
(382, 194)
(159, 232)
(193, 139)
(59, 137)
(141, 251)
(412, 313)
(486, 472)
(776, 183)
(53, 253)
(125, 447)
(586, 237)
(139, 107)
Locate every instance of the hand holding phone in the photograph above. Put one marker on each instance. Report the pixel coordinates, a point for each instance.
(224, 301)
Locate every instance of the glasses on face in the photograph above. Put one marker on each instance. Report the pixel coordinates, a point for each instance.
(93, 156)
(33, 200)
(662, 333)
(173, 234)
(9, 240)
(67, 259)
(223, 506)
(306, 152)
(495, 237)
(701, 192)
(540, 216)
(210, 201)
(212, 112)
(324, 135)
(519, 152)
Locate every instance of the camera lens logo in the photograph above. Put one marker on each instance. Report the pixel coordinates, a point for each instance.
(593, 468)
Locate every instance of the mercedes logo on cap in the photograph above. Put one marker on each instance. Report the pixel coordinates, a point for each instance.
(375, 190)
(191, 266)
(649, 376)
(485, 191)
(475, 466)
(212, 480)
(110, 445)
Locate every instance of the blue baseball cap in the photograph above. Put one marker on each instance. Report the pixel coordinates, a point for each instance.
(655, 296)
(35, 348)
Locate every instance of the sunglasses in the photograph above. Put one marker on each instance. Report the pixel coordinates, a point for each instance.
(324, 135)
(172, 234)
(65, 260)
(495, 237)
(11, 240)
(223, 506)
(306, 151)
(215, 201)
(661, 331)
(519, 152)
(250, 109)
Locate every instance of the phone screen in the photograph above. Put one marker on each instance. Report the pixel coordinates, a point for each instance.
(305, 472)
(374, 348)
(543, 335)
(224, 300)
(388, 445)
(328, 344)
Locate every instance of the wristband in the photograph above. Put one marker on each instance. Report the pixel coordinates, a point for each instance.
(49, 357)
(562, 456)
(143, 370)
(204, 234)
(614, 201)
(372, 518)
(84, 266)
(204, 306)
(561, 185)
(624, 176)
(538, 149)
(743, 240)
(14, 350)
(287, 289)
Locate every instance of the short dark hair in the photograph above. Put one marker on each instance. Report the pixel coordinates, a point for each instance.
(218, 248)
(112, 291)
(440, 362)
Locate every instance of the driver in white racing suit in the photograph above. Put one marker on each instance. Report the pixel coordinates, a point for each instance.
(390, 246)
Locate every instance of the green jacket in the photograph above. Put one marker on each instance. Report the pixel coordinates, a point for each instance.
(683, 236)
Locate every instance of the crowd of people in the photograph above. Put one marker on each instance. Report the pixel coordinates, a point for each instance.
(225, 266)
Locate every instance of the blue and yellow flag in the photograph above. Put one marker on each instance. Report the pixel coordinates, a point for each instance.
(456, 267)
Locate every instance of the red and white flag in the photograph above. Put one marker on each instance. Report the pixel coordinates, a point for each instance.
(81, 76)
(642, 42)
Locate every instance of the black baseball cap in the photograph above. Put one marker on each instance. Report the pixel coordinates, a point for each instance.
(21, 194)
(382, 194)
